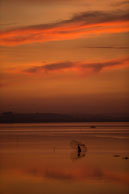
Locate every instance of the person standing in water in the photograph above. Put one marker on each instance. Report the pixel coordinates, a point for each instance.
(79, 150)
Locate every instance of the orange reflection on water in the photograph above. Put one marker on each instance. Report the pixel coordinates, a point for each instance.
(43, 163)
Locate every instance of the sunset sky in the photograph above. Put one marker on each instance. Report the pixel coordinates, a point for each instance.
(64, 56)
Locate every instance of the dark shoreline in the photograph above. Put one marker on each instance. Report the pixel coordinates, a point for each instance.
(9, 117)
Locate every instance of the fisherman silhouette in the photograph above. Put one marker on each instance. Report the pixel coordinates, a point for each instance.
(79, 150)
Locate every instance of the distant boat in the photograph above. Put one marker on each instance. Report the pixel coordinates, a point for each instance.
(92, 126)
(116, 155)
(125, 158)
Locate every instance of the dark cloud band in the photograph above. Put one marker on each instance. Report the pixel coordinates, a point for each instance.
(84, 66)
(80, 25)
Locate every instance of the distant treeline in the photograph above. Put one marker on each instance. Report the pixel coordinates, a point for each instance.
(10, 117)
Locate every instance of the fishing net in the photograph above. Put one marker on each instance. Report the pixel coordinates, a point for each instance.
(74, 144)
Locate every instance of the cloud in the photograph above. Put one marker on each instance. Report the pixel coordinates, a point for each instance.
(39, 1)
(51, 67)
(7, 24)
(107, 47)
(79, 66)
(106, 64)
(121, 3)
(86, 2)
(80, 25)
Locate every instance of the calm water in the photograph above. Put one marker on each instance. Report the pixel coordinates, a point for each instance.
(41, 158)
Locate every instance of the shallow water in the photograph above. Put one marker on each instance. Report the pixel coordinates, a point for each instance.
(39, 158)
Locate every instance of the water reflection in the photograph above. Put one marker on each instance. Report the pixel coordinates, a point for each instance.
(41, 160)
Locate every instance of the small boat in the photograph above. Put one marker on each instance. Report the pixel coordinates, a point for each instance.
(92, 126)
(125, 158)
(116, 155)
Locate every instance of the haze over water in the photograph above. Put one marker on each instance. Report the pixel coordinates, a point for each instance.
(39, 158)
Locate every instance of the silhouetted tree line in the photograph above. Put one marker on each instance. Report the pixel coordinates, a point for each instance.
(10, 117)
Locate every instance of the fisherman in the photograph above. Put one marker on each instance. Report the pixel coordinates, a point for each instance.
(79, 149)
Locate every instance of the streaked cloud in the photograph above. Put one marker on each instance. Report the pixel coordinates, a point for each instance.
(121, 3)
(107, 47)
(40, 1)
(79, 66)
(80, 25)
(51, 67)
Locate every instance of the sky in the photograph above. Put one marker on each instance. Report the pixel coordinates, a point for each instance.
(64, 56)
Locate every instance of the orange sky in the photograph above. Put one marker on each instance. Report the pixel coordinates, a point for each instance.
(64, 56)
